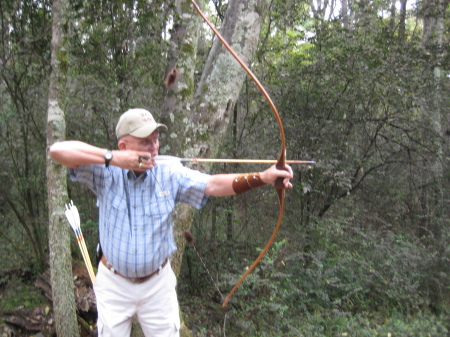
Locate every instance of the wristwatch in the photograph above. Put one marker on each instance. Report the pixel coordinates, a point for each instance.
(108, 156)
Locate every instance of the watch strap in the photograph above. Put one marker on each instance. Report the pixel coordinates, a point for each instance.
(108, 156)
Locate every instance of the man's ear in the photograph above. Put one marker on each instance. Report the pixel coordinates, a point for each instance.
(122, 145)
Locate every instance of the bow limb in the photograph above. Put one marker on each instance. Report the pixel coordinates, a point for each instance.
(281, 163)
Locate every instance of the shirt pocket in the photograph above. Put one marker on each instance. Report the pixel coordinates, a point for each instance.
(155, 211)
(118, 211)
(157, 222)
(119, 203)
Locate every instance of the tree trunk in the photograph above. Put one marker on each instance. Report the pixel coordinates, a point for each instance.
(433, 13)
(183, 58)
(59, 244)
(222, 76)
(393, 14)
(402, 21)
(344, 14)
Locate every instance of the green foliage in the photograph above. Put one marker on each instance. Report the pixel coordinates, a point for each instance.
(343, 280)
(363, 249)
(24, 75)
(335, 324)
(355, 269)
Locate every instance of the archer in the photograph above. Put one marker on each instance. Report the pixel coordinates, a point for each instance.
(136, 198)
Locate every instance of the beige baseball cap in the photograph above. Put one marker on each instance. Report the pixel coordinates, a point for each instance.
(138, 123)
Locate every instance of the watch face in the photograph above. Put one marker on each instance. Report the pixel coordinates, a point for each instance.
(108, 155)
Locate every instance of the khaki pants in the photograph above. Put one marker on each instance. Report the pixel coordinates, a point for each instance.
(154, 302)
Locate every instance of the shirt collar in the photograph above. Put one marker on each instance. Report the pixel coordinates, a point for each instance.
(132, 176)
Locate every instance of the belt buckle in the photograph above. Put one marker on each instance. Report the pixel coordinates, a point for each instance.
(134, 279)
(142, 279)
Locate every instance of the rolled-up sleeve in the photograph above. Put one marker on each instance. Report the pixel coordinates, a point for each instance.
(92, 176)
(192, 185)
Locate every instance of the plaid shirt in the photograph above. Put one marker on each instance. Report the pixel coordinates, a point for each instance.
(135, 223)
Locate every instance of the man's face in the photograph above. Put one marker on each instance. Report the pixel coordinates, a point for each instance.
(148, 144)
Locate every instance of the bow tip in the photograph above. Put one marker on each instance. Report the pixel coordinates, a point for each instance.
(225, 302)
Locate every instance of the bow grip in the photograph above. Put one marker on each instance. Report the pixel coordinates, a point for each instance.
(279, 181)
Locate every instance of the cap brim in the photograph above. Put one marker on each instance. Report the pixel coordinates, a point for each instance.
(147, 130)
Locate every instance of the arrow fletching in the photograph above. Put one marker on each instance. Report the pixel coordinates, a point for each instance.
(71, 218)
(76, 215)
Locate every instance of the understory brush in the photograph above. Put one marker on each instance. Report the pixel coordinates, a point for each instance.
(346, 281)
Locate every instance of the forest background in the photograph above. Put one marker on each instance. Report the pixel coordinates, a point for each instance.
(362, 88)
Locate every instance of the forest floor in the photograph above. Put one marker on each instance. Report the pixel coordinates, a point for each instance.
(26, 306)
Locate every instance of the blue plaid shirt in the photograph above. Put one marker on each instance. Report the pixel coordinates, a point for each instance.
(135, 223)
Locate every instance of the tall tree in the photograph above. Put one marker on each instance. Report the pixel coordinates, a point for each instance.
(181, 64)
(432, 41)
(199, 133)
(59, 244)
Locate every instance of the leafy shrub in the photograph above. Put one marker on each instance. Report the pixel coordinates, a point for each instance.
(348, 274)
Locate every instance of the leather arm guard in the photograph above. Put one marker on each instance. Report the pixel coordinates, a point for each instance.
(247, 181)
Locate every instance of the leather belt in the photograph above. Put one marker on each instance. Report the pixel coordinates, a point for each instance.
(133, 279)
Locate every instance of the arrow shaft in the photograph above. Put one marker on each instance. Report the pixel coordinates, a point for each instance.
(163, 158)
(248, 161)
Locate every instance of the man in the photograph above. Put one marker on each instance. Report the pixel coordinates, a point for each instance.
(135, 200)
